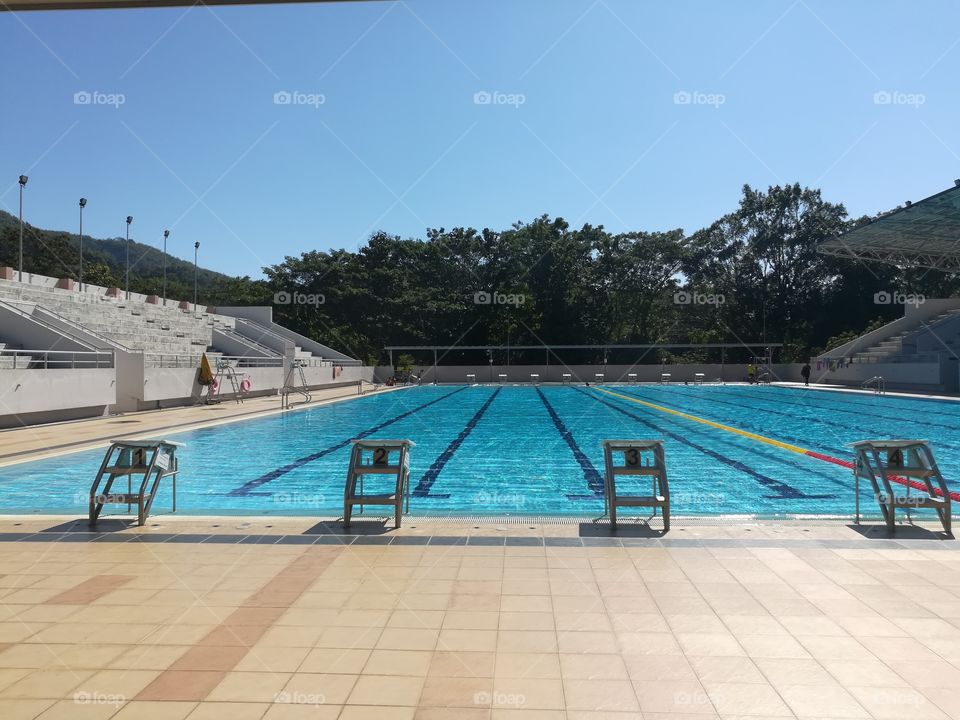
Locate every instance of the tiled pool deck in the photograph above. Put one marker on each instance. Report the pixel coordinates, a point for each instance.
(245, 618)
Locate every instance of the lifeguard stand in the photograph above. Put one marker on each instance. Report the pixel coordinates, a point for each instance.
(378, 457)
(626, 458)
(901, 462)
(152, 460)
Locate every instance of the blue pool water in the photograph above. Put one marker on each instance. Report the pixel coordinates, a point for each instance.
(525, 451)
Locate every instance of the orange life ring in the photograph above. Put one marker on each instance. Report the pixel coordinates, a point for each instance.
(245, 385)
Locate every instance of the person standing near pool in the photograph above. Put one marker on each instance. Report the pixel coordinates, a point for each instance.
(751, 373)
(805, 372)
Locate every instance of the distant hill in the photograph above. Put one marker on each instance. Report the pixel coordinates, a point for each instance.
(57, 253)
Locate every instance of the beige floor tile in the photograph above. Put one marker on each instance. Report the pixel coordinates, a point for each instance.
(116, 683)
(317, 689)
(747, 699)
(714, 670)
(249, 687)
(399, 662)
(772, 646)
(261, 658)
(148, 657)
(710, 644)
(376, 712)
(46, 684)
(302, 711)
(822, 701)
(386, 690)
(233, 711)
(672, 697)
(526, 603)
(541, 666)
(651, 668)
(71, 710)
(628, 622)
(593, 667)
(462, 664)
(408, 639)
(938, 674)
(366, 638)
(470, 620)
(866, 673)
(461, 692)
(895, 703)
(11, 709)
(467, 640)
(605, 695)
(139, 710)
(443, 713)
(411, 618)
(528, 694)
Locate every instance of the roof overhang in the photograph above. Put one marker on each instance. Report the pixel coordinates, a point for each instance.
(923, 234)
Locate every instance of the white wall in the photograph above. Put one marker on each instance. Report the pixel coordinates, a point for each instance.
(31, 391)
(587, 373)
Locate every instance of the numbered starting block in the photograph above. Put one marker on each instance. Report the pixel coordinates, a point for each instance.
(632, 378)
(698, 378)
(150, 460)
(388, 459)
(665, 378)
(893, 467)
(626, 460)
(566, 378)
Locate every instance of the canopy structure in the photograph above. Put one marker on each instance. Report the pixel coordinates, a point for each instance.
(921, 234)
(99, 4)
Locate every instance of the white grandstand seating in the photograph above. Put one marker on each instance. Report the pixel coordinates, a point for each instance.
(153, 329)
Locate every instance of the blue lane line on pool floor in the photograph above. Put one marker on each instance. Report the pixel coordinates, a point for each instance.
(590, 474)
(430, 476)
(783, 490)
(248, 487)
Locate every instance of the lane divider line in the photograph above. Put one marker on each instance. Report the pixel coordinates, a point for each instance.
(763, 439)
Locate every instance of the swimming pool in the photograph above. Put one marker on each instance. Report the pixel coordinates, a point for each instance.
(524, 450)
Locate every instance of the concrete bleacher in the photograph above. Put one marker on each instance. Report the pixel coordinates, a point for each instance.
(135, 324)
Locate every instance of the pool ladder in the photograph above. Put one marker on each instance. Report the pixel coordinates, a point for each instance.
(878, 384)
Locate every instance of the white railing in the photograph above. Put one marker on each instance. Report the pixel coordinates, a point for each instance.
(59, 359)
(174, 360)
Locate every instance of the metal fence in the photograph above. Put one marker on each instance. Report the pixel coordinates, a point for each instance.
(55, 359)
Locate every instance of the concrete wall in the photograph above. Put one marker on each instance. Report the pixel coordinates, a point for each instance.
(925, 377)
(35, 391)
(587, 373)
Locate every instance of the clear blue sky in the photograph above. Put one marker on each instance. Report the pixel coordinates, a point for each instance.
(399, 144)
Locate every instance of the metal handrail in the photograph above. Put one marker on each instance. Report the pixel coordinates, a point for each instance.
(41, 359)
(175, 360)
(878, 383)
